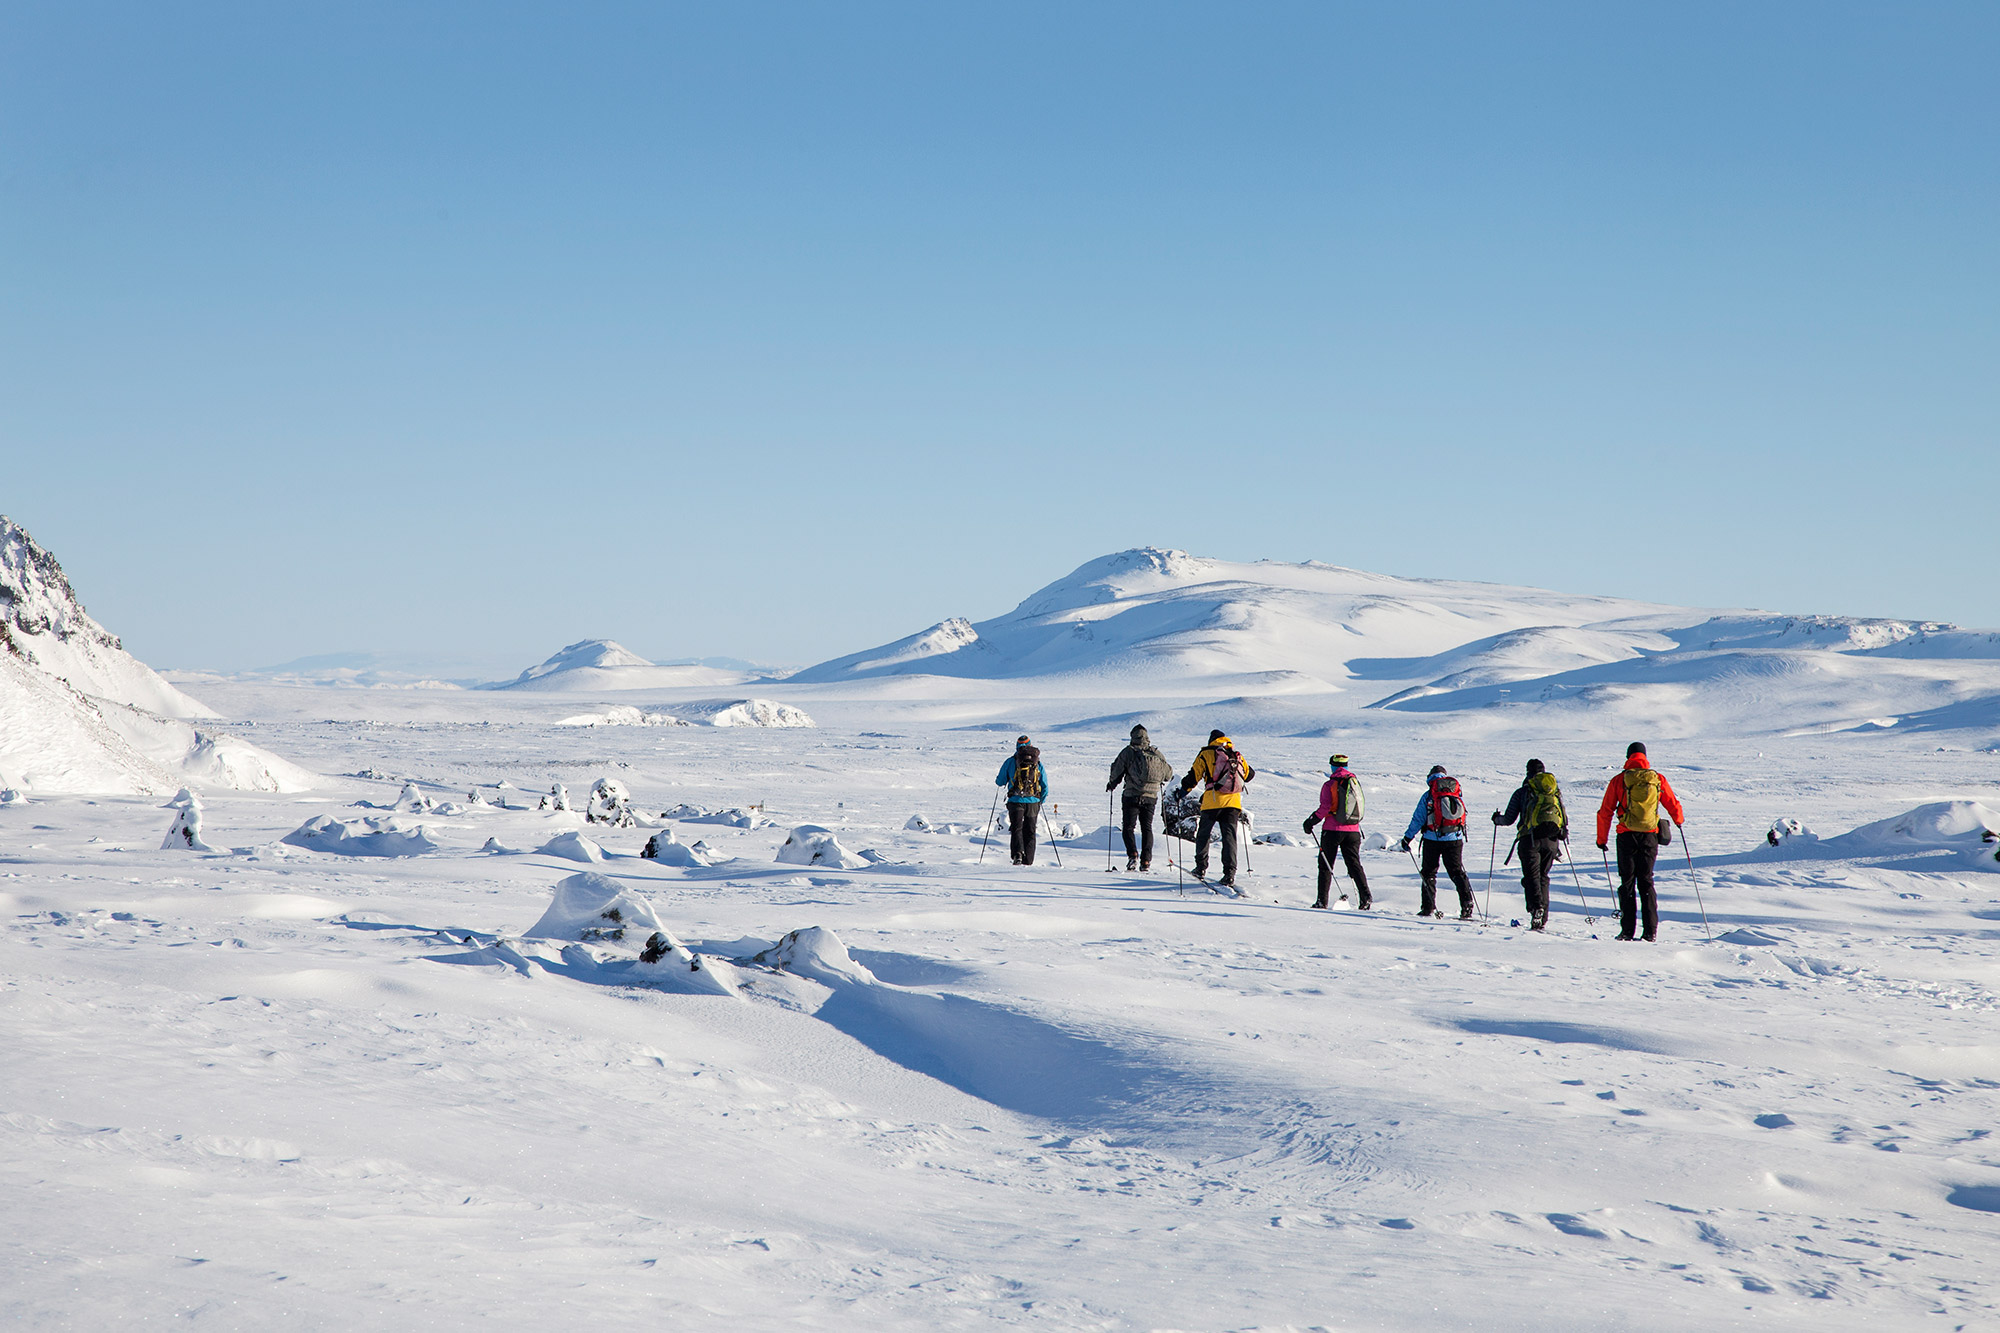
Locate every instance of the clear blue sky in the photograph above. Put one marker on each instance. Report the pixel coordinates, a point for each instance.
(463, 331)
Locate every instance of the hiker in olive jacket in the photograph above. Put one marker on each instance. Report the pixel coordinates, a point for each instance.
(1637, 795)
(1538, 804)
(1223, 773)
(1142, 769)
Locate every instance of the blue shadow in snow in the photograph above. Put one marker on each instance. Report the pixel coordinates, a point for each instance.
(1568, 1034)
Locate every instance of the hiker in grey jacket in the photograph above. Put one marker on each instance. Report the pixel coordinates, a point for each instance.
(1142, 769)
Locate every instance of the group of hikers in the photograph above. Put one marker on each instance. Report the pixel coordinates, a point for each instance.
(1638, 799)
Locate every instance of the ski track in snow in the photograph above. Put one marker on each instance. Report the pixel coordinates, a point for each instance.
(251, 1087)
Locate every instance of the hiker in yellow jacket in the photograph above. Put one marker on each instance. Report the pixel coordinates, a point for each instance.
(1223, 773)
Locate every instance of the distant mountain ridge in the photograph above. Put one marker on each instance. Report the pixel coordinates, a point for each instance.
(599, 665)
(1161, 622)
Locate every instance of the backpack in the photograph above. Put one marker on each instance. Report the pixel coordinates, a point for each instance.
(1447, 806)
(1346, 800)
(1642, 800)
(1545, 802)
(1225, 771)
(1027, 781)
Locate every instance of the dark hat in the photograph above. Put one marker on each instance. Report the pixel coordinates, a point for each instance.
(1636, 747)
(1338, 760)
(1535, 766)
(1436, 769)
(1217, 734)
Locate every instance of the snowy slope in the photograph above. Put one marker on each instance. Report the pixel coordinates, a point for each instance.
(1316, 643)
(598, 665)
(46, 624)
(80, 714)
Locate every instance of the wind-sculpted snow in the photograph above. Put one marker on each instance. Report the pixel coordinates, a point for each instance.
(362, 837)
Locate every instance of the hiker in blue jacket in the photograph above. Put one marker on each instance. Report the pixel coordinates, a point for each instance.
(1440, 817)
(1027, 784)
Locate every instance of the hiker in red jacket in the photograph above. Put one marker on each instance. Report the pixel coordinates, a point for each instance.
(1636, 796)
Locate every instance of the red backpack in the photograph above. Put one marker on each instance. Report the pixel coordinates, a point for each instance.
(1447, 806)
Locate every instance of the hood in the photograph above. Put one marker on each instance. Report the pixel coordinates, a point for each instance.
(1637, 761)
(1140, 738)
(1220, 742)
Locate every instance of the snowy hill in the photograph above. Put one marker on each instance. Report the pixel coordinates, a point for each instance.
(1313, 641)
(595, 665)
(80, 714)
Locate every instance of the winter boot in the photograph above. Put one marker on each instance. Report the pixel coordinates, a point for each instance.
(1537, 919)
(1131, 864)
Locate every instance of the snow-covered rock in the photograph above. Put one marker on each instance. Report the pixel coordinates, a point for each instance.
(386, 836)
(185, 835)
(556, 800)
(605, 916)
(668, 850)
(816, 953)
(917, 824)
(572, 846)
(609, 803)
(811, 845)
(413, 802)
(745, 713)
(12, 796)
(621, 715)
(587, 907)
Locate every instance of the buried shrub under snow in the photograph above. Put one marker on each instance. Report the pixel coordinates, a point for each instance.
(361, 837)
(604, 916)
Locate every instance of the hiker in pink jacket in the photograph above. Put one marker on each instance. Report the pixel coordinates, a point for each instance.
(1339, 817)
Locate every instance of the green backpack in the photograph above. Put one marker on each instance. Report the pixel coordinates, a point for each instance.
(1545, 803)
(1346, 800)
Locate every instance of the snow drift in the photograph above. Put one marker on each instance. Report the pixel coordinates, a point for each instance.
(361, 837)
(811, 845)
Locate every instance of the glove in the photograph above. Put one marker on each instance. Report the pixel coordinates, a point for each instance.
(1403, 846)
(1499, 818)
(1310, 821)
(1603, 846)
(1109, 785)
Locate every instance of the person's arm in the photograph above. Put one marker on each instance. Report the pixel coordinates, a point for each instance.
(1042, 772)
(1197, 771)
(1006, 773)
(1516, 807)
(1671, 801)
(1325, 805)
(1118, 767)
(1608, 807)
(1563, 806)
(1249, 773)
(1417, 819)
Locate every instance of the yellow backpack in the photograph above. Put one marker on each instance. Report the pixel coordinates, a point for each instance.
(1642, 800)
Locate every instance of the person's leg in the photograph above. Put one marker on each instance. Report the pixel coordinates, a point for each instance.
(1204, 829)
(1146, 835)
(1628, 900)
(1647, 848)
(1427, 879)
(1014, 809)
(1350, 850)
(1230, 819)
(1128, 806)
(1329, 848)
(1537, 855)
(1031, 817)
(1453, 852)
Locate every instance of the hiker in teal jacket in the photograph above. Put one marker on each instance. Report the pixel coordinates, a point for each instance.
(1027, 784)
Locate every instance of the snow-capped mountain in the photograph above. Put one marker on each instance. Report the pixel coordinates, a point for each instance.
(80, 714)
(1313, 641)
(593, 665)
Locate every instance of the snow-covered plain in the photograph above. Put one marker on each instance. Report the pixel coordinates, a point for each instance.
(289, 1085)
(279, 1085)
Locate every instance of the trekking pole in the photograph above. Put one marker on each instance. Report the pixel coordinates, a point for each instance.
(1696, 881)
(1486, 912)
(1108, 798)
(1577, 880)
(983, 837)
(1052, 842)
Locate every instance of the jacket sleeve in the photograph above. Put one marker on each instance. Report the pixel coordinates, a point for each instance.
(1417, 819)
(1517, 805)
(1006, 773)
(1042, 772)
(1671, 801)
(1249, 773)
(1158, 768)
(1198, 770)
(1120, 765)
(1614, 793)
